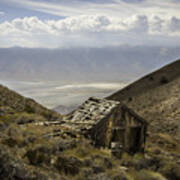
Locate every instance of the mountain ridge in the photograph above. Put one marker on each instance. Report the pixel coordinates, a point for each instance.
(122, 63)
(31, 148)
(165, 75)
(156, 98)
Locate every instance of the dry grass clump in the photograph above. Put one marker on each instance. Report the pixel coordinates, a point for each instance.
(84, 149)
(68, 165)
(146, 175)
(21, 118)
(38, 156)
(18, 103)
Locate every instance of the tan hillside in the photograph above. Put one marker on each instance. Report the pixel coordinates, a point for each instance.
(32, 149)
(156, 97)
(12, 102)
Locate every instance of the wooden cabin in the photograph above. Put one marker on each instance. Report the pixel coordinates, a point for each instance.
(108, 123)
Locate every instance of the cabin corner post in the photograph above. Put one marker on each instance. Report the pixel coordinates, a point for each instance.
(145, 135)
(143, 138)
(127, 138)
(109, 132)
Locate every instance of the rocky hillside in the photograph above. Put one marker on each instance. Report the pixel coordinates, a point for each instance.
(156, 97)
(11, 102)
(33, 148)
(34, 144)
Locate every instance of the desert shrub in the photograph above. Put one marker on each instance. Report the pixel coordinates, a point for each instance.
(126, 159)
(84, 150)
(68, 165)
(21, 118)
(65, 145)
(107, 163)
(11, 142)
(14, 141)
(2, 126)
(29, 109)
(120, 176)
(7, 119)
(98, 169)
(138, 161)
(4, 110)
(25, 118)
(170, 170)
(85, 173)
(13, 136)
(146, 175)
(151, 78)
(37, 156)
(164, 80)
(50, 115)
(165, 140)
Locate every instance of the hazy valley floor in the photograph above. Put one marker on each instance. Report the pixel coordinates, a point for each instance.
(62, 97)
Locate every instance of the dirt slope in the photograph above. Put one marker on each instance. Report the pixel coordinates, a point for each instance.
(12, 102)
(156, 97)
(30, 150)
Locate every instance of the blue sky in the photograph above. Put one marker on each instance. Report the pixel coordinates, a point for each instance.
(89, 23)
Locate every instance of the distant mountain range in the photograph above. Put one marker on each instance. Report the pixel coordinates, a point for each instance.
(64, 109)
(117, 64)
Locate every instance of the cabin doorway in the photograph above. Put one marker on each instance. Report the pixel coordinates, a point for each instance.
(133, 139)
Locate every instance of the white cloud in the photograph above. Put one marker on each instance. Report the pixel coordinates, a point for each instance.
(139, 23)
(105, 86)
(82, 23)
(134, 1)
(90, 24)
(175, 24)
(156, 24)
(92, 30)
(115, 8)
